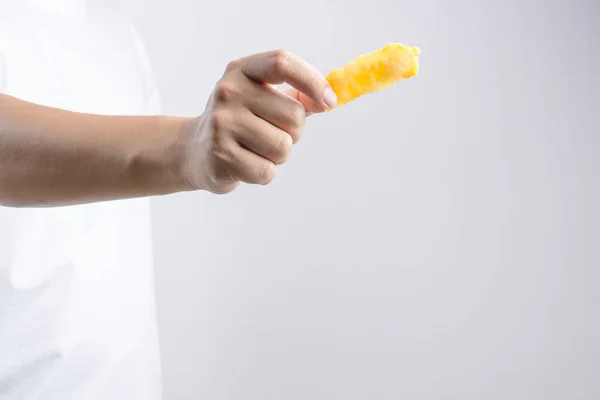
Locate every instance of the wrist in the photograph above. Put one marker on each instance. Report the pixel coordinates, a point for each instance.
(160, 160)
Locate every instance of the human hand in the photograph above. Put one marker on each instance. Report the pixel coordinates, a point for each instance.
(249, 126)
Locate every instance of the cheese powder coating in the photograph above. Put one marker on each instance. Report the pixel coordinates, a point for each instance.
(373, 72)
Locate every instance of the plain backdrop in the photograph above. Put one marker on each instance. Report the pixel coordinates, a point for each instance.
(439, 240)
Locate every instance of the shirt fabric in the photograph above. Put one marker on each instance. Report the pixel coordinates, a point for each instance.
(77, 313)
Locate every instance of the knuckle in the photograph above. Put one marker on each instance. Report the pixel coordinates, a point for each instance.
(297, 117)
(296, 134)
(267, 174)
(280, 54)
(232, 65)
(297, 113)
(225, 92)
(219, 121)
(283, 148)
(221, 152)
(312, 78)
(219, 146)
(281, 60)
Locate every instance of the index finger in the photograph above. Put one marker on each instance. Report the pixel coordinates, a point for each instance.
(279, 66)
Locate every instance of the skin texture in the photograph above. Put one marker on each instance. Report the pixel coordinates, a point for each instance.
(53, 157)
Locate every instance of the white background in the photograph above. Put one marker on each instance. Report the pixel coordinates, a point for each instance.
(439, 240)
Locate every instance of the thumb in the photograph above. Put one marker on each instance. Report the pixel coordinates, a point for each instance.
(310, 106)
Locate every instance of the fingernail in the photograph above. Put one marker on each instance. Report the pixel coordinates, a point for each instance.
(330, 98)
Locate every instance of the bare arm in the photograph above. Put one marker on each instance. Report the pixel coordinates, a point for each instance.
(51, 157)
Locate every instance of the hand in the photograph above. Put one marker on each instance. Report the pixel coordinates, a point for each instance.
(249, 126)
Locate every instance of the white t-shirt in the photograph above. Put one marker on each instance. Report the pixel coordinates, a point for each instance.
(77, 314)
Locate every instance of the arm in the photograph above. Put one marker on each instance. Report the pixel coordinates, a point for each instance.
(52, 157)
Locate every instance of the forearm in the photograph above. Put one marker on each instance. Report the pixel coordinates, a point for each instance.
(52, 157)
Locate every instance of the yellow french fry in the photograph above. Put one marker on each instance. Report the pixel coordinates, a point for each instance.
(373, 72)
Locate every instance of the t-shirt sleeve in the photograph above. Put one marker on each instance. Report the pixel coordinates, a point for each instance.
(152, 94)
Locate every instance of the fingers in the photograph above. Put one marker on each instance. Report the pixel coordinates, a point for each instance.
(276, 67)
(264, 139)
(277, 108)
(249, 167)
(309, 105)
(249, 126)
(245, 147)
